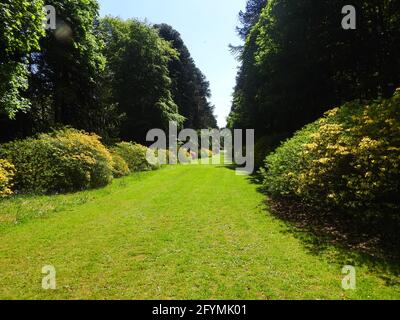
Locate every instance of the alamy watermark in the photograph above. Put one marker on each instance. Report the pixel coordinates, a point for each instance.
(50, 19)
(49, 280)
(349, 21)
(237, 145)
(349, 282)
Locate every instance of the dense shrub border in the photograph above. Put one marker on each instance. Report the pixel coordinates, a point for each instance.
(63, 161)
(265, 145)
(349, 159)
(120, 167)
(7, 172)
(70, 160)
(135, 155)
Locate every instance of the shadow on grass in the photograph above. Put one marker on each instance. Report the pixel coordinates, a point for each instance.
(371, 245)
(232, 167)
(338, 237)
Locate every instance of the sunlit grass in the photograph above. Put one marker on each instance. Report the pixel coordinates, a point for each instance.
(184, 232)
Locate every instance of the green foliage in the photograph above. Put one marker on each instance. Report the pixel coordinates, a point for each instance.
(63, 161)
(116, 78)
(22, 25)
(13, 81)
(350, 159)
(120, 167)
(293, 68)
(20, 30)
(210, 221)
(190, 89)
(138, 75)
(65, 74)
(7, 172)
(266, 145)
(283, 165)
(250, 16)
(135, 155)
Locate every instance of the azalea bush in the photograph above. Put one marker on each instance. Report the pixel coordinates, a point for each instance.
(283, 166)
(62, 161)
(119, 165)
(264, 146)
(7, 172)
(349, 159)
(135, 155)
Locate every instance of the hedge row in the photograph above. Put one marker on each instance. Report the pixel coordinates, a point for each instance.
(349, 160)
(7, 172)
(70, 160)
(64, 161)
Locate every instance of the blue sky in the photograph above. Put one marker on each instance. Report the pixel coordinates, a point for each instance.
(206, 26)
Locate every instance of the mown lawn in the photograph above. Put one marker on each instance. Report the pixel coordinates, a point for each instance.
(183, 232)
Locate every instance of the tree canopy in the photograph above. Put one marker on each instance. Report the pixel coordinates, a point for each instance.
(20, 32)
(113, 77)
(138, 61)
(298, 62)
(191, 90)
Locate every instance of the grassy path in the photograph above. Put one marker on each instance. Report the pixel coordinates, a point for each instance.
(184, 232)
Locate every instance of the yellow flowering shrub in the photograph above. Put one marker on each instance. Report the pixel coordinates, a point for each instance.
(7, 172)
(265, 145)
(283, 167)
(350, 159)
(63, 161)
(120, 167)
(135, 155)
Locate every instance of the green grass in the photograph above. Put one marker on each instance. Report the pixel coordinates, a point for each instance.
(183, 232)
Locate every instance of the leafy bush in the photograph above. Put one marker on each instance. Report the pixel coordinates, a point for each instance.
(63, 161)
(264, 146)
(349, 159)
(283, 166)
(120, 167)
(7, 172)
(134, 155)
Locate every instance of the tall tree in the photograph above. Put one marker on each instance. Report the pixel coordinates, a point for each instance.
(65, 70)
(138, 76)
(20, 30)
(241, 115)
(250, 16)
(191, 90)
(298, 62)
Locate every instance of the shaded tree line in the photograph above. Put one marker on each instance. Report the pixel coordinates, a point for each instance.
(190, 89)
(298, 61)
(113, 77)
